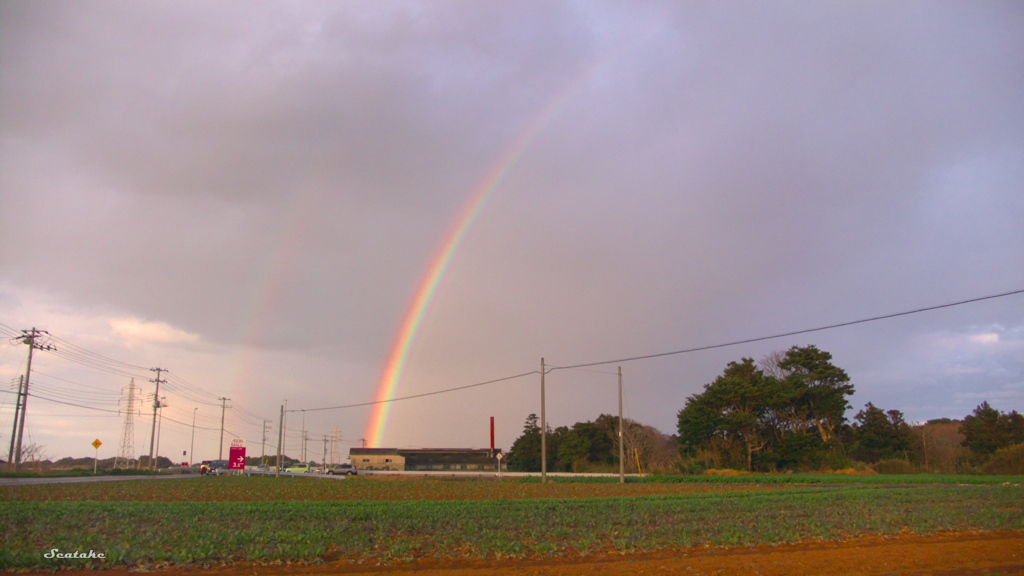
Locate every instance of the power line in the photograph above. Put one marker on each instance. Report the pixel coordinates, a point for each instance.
(71, 404)
(98, 357)
(794, 333)
(51, 376)
(675, 352)
(414, 395)
(7, 331)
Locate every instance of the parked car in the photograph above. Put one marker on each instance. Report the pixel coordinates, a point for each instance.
(335, 469)
(299, 468)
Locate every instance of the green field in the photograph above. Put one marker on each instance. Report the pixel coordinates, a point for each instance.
(209, 521)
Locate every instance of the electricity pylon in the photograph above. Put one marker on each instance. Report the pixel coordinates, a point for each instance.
(127, 451)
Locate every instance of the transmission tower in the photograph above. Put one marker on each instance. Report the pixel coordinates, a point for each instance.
(127, 451)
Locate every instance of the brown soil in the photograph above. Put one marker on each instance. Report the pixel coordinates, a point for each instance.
(950, 554)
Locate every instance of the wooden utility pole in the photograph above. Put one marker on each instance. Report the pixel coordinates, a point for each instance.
(223, 407)
(305, 438)
(159, 427)
(622, 437)
(156, 404)
(543, 430)
(263, 449)
(192, 446)
(14, 425)
(280, 438)
(30, 339)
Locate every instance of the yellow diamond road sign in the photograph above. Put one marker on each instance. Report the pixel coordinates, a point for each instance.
(96, 443)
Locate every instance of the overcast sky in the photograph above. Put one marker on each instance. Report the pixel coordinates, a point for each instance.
(249, 194)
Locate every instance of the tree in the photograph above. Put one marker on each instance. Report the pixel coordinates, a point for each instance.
(524, 456)
(981, 431)
(987, 430)
(818, 387)
(647, 449)
(879, 434)
(785, 411)
(730, 408)
(941, 445)
(583, 445)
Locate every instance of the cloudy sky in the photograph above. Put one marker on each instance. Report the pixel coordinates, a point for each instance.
(251, 195)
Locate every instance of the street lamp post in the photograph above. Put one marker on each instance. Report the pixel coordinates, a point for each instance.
(192, 448)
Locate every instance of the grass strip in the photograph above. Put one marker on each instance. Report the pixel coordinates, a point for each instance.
(210, 533)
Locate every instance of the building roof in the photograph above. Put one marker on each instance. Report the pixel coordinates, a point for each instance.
(414, 456)
(408, 451)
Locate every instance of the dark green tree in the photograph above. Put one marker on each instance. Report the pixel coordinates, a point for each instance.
(730, 409)
(818, 389)
(981, 431)
(524, 456)
(784, 412)
(987, 430)
(879, 434)
(583, 445)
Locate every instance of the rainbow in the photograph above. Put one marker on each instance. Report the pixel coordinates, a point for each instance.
(270, 289)
(427, 288)
(500, 168)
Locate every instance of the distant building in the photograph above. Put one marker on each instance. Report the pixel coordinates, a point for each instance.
(426, 459)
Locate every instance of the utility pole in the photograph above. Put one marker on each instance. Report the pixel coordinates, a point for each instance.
(192, 447)
(159, 427)
(622, 437)
(28, 337)
(543, 430)
(14, 425)
(263, 450)
(280, 438)
(223, 406)
(302, 455)
(156, 404)
(324, 463)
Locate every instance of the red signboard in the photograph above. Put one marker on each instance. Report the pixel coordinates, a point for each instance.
(236, 458)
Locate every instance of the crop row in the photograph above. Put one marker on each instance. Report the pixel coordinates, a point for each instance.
(260, 488)
(200, 533)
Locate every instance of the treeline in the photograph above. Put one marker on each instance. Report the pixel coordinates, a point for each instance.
(786, 412)
(594, 447)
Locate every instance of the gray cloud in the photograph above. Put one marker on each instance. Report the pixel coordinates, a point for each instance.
(281, 176)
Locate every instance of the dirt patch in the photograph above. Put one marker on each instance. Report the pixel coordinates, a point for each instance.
(950, 554)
